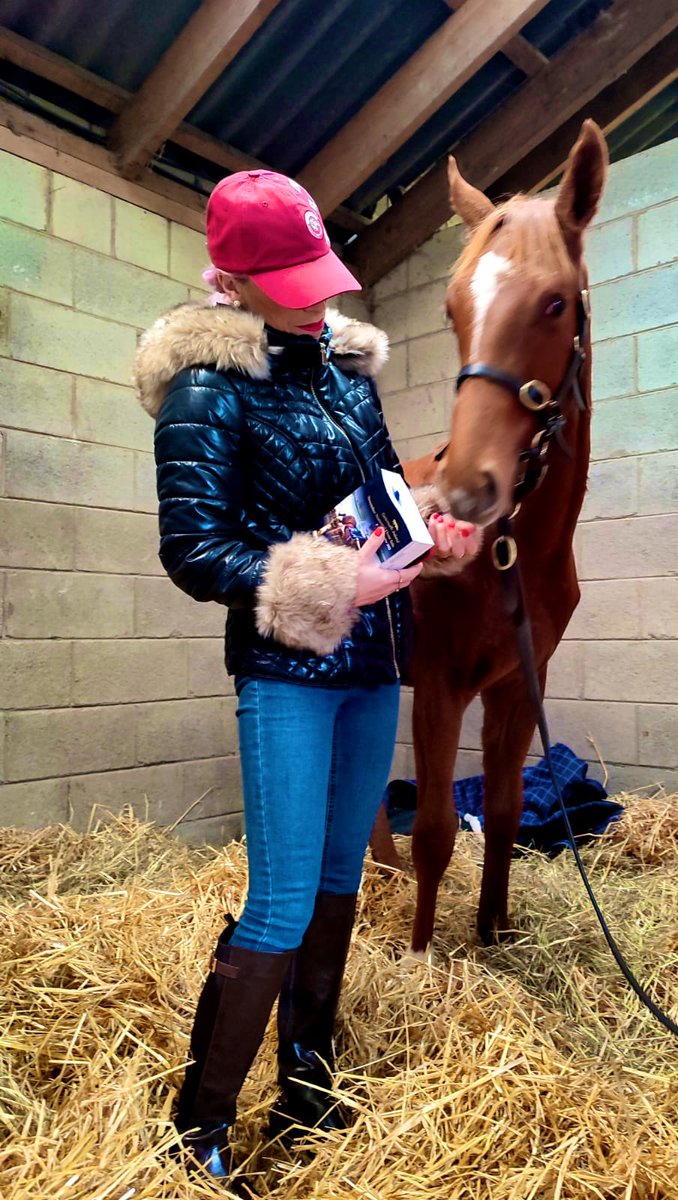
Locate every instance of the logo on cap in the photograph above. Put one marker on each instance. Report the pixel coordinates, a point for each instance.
(313, 223)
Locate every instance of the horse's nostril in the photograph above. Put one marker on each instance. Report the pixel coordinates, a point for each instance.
(464, 504)
(473, 504)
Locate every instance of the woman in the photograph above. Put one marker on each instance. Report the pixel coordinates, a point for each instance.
(266, 417)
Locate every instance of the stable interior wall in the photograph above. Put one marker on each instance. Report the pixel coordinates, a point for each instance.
(112, 680)
(614, 679)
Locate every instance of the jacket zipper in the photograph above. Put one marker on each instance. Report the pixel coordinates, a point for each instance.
(337, 424)
(340, 427)
(390, 628)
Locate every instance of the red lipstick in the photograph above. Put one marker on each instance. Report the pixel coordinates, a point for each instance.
(316, 327)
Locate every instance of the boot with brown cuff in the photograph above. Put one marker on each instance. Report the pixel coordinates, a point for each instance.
(230, 1022)
(307, 1010)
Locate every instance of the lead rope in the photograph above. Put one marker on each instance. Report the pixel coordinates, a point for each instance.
(505, 558)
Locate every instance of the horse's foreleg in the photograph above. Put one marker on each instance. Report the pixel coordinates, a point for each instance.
(382, 845)
(436, 725)
(508, 726)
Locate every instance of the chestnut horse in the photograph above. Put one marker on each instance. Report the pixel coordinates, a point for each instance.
(518, 303)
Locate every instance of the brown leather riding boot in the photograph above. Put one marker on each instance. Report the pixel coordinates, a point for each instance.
(306, 1013)
(230, 1021)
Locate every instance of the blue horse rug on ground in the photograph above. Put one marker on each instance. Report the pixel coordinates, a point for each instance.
(541, 824)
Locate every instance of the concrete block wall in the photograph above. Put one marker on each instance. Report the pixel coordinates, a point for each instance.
(615, 676)
(112, 682)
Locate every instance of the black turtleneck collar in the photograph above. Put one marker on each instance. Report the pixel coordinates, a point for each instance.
(294, 352)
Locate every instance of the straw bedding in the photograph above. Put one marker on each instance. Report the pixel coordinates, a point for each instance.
(524, 1072)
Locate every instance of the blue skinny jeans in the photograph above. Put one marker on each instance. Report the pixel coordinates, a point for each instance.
(315, 762)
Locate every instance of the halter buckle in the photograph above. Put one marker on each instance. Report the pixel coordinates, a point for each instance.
(535, 395)
(504, 552)
(538, 446)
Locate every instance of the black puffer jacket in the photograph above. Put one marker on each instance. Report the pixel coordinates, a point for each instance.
(258, 435)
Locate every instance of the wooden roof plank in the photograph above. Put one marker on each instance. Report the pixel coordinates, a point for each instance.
(596, 58)
(463, 44)
(39, 141)
(615, 104)
(518, 50)
(48, 65)
(213, 36)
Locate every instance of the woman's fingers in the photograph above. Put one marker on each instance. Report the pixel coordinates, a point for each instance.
(452, 538)
(471, 538)
(408, 574)
(374, 541)
(442, 533)
(375, 582)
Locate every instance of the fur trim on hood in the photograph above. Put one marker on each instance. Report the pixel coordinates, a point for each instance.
(196, 334)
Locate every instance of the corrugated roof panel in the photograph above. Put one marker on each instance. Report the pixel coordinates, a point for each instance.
(304, 74)
(654, 123)
(478, 98)
(309, 70)
(119, 39)
(558, 23)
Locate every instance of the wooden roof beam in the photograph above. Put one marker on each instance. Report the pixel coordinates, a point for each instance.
(21, 52)
(32, 137)
(518, 50)
(48, 65)
(615, 104)
(426, 81)
(216, 32)
(616, 40)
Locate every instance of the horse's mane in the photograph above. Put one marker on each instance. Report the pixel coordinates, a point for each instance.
(535, 242)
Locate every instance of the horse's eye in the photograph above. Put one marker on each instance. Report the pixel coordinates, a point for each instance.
(556, 308)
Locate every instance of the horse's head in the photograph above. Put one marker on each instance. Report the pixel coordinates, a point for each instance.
(514, 302)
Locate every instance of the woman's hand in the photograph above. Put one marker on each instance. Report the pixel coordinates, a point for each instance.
(452, 539)
(375, 581)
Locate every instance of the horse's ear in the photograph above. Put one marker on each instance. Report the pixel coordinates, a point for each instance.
(583, 181)
(471, 204)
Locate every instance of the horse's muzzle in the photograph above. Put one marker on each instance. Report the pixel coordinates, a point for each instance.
(477, 503)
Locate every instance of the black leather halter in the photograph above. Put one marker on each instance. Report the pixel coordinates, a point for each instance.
(536, 397)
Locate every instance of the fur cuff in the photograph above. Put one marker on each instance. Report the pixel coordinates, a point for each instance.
(429, 500)
(306, 599)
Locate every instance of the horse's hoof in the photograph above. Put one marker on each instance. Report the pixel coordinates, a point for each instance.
(495, 934)
(390, 866)
(412, 957)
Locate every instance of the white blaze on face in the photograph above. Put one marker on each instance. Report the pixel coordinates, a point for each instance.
(484, 287)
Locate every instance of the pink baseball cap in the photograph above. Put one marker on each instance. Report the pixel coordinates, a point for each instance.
(266, 226)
